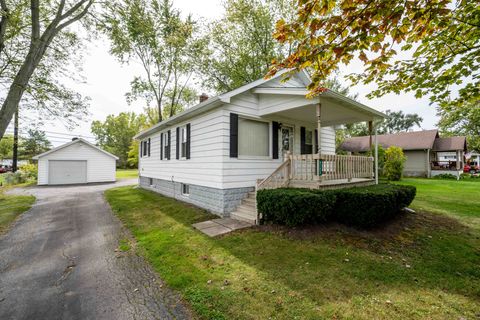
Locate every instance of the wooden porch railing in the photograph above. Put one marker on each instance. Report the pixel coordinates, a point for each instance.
(317, 168)
(322, 167)
(278, 179)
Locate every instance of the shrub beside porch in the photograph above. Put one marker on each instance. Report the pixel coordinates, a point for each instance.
(363, 207)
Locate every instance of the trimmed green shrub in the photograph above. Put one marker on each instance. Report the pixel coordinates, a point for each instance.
(445, 176)
(294, 207)
(394, 162)
(369, 206)
(468, 176)
(362, 207)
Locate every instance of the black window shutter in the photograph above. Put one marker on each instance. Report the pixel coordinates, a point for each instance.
(188, 142)
(177, 149)
(316, 141)
(149, 147)
(141, 149)
(275, 128)
(233, 135)
(302, 140)
(169, 144)
(161, 146)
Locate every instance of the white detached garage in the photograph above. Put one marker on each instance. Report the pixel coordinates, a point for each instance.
(75, 162)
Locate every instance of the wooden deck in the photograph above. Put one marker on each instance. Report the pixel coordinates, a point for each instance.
(319, 171)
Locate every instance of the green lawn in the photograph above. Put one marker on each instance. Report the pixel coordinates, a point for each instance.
(1, 179)
(11, 207)
(456, 199)
(127, 173)
(421, 266)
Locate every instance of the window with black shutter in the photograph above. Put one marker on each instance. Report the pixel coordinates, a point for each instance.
(233, 135)
(187, 154)
(275, 128)
(149, 143)
(168, 141)
(183, 142)
(177, 147)
(161, 146)
(165, 145)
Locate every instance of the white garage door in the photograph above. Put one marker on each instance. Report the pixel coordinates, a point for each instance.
(67, 171)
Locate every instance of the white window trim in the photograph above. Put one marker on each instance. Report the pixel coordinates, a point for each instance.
(145, 148)
(165, 144)
(270, 131)
(183, 128)
(181, 191)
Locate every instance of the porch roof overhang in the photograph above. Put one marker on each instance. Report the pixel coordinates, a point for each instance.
(336, 108)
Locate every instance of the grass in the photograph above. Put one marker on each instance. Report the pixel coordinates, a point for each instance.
(11, 207)
(420, 266)
(127, 173)
(2, 179)
(457, 199)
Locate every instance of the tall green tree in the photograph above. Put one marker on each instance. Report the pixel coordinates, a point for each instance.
(240, 45)
(442, 37)
(116, 133)
(398, 121)
(463, 120)
(154, 34)
(34, 143)
(6, 147)
(30, 31)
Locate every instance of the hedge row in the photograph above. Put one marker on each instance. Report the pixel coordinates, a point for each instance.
(363, 207)
(294, 206)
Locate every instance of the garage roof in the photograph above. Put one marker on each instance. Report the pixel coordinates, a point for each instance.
(76, 140)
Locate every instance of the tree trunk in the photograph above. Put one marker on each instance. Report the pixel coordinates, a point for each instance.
(15, 144)
(20, 82)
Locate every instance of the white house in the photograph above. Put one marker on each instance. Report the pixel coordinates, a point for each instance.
(261, 135)
(77, 161)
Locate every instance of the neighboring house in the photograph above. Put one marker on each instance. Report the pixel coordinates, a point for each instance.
(261, 135)
(9, 162)
(77, 161)
(427, 154)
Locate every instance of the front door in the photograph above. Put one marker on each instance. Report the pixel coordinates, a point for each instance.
(287, 139)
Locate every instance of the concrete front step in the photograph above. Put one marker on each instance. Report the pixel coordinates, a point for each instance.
(241, 216)
(250, 202)
(246, 210)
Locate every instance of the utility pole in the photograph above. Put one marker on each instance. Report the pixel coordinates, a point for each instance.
(15, 143)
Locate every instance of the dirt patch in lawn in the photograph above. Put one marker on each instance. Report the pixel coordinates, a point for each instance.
(404, 230)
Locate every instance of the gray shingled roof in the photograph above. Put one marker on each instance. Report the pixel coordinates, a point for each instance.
(450, 144)
(416, 140)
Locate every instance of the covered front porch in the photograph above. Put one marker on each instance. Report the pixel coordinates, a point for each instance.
(316, 165)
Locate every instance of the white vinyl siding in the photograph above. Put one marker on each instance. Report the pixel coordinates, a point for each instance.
(207, 148)
(100, 166)
(210, 164)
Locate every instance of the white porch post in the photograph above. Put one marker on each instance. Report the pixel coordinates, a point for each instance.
(376, 156)
(319, 127)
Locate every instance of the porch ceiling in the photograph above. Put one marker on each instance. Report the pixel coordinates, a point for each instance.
(336, 109)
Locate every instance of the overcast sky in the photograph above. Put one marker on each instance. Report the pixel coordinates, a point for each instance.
(107, 82)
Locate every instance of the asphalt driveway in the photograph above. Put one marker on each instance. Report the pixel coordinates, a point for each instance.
(60, 261)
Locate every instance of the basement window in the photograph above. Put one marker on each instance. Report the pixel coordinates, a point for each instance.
(185, 189)
(150, 182)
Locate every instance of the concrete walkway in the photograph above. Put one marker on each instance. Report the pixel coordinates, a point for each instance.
(217, 227)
